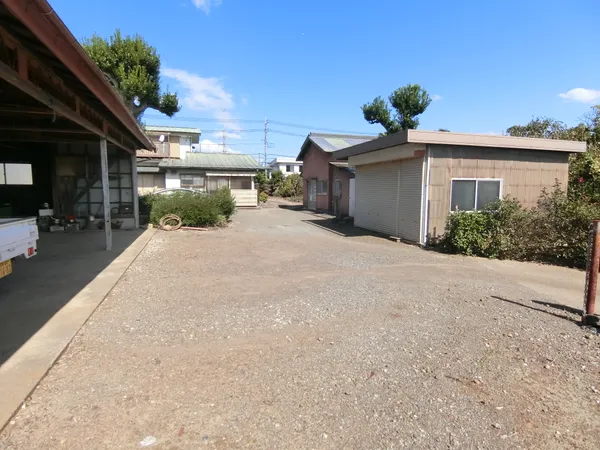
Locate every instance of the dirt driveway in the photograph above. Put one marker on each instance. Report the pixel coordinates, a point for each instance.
(275, 333)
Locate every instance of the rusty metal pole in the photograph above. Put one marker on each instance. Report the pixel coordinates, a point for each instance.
(591, 280)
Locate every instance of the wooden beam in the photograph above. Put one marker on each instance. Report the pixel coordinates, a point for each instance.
(23, 65)
(7, 73)
(16, 109)
(45, 130)
(134, 191)
(105, 193)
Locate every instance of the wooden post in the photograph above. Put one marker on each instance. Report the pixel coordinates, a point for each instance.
(105, 193)
(591, 281)
(134, 184)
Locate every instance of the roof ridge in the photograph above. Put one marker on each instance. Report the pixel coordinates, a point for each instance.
(342, 135)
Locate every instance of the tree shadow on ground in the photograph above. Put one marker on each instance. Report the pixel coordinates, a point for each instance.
(564, 308)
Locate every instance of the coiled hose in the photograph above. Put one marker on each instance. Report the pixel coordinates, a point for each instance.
(170, 222)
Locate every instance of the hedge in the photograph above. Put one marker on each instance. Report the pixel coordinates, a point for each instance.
(555, 232)
(196, 209)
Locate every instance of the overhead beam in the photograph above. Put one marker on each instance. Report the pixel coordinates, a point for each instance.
(29, 74)
(12, 77)
(46, 130)
(39, 17)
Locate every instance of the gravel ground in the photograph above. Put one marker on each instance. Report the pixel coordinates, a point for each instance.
(274, 333)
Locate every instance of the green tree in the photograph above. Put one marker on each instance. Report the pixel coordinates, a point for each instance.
(584, 168)
(408, 102)
(292, 186)
(276, 180)
(261, 180)
(547, 128)
(133, 66)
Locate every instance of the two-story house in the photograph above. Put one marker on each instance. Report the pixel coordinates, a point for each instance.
(177, 164)
(171, 143)
(286, 165)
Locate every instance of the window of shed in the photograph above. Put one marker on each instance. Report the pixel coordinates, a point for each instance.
(321, 187)
(241, 183)
(473, 194)
(216, 183)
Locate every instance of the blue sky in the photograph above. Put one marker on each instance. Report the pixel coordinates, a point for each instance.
(315, 62)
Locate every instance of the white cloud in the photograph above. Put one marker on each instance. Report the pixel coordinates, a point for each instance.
(581, 95)
(207, 95)
(208, 146)
(436, 97)
(228, 135)
(206, 5)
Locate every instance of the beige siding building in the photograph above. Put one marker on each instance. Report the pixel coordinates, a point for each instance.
(408, 183)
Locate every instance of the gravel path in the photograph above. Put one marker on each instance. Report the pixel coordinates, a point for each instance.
(274, 333)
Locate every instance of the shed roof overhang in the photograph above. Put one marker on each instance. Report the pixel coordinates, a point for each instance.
(51, 90)
(461, 139)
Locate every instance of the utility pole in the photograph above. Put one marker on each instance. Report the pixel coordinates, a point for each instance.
(223, 141)
(266, 129)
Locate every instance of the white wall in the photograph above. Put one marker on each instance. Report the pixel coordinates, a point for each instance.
(282, 167)
(172, 180)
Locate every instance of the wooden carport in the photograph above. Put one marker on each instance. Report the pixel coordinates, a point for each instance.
(51, 92)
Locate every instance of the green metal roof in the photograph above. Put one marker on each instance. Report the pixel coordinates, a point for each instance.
(215, 161)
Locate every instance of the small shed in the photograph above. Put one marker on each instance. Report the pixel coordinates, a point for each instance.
(407, 183)
(210, 171)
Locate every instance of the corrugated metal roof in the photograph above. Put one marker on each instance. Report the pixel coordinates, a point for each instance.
(182, 130)
(213, 161)
(332, 142)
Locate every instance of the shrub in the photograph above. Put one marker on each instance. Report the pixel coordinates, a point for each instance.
(263, 197)
(196, 209)
(556, 231)
(225, 202)
(469, 233)
(292, 186)
(276, 180)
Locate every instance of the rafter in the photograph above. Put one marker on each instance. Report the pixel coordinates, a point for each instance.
(27, 73)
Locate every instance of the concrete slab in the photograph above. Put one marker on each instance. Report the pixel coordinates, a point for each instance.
(42, 293)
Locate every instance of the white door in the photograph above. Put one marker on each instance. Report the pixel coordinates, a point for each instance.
(312, 194)
(351, 197)
(185, 146)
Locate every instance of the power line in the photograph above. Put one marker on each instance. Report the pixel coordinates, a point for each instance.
(205, 119)
(275, 122)
(309, 127)
(287, 133)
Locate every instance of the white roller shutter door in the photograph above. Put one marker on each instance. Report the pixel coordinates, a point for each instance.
(388, 198)
(409, 199)
(377, 197)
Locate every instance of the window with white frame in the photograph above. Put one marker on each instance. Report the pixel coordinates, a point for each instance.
(337, 188)
(322, 187)
(289, 168)
(473, 194)
(192, 181)
(11, 173)
(216, 183)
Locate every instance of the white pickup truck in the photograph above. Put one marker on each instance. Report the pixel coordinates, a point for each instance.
(18, 237)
